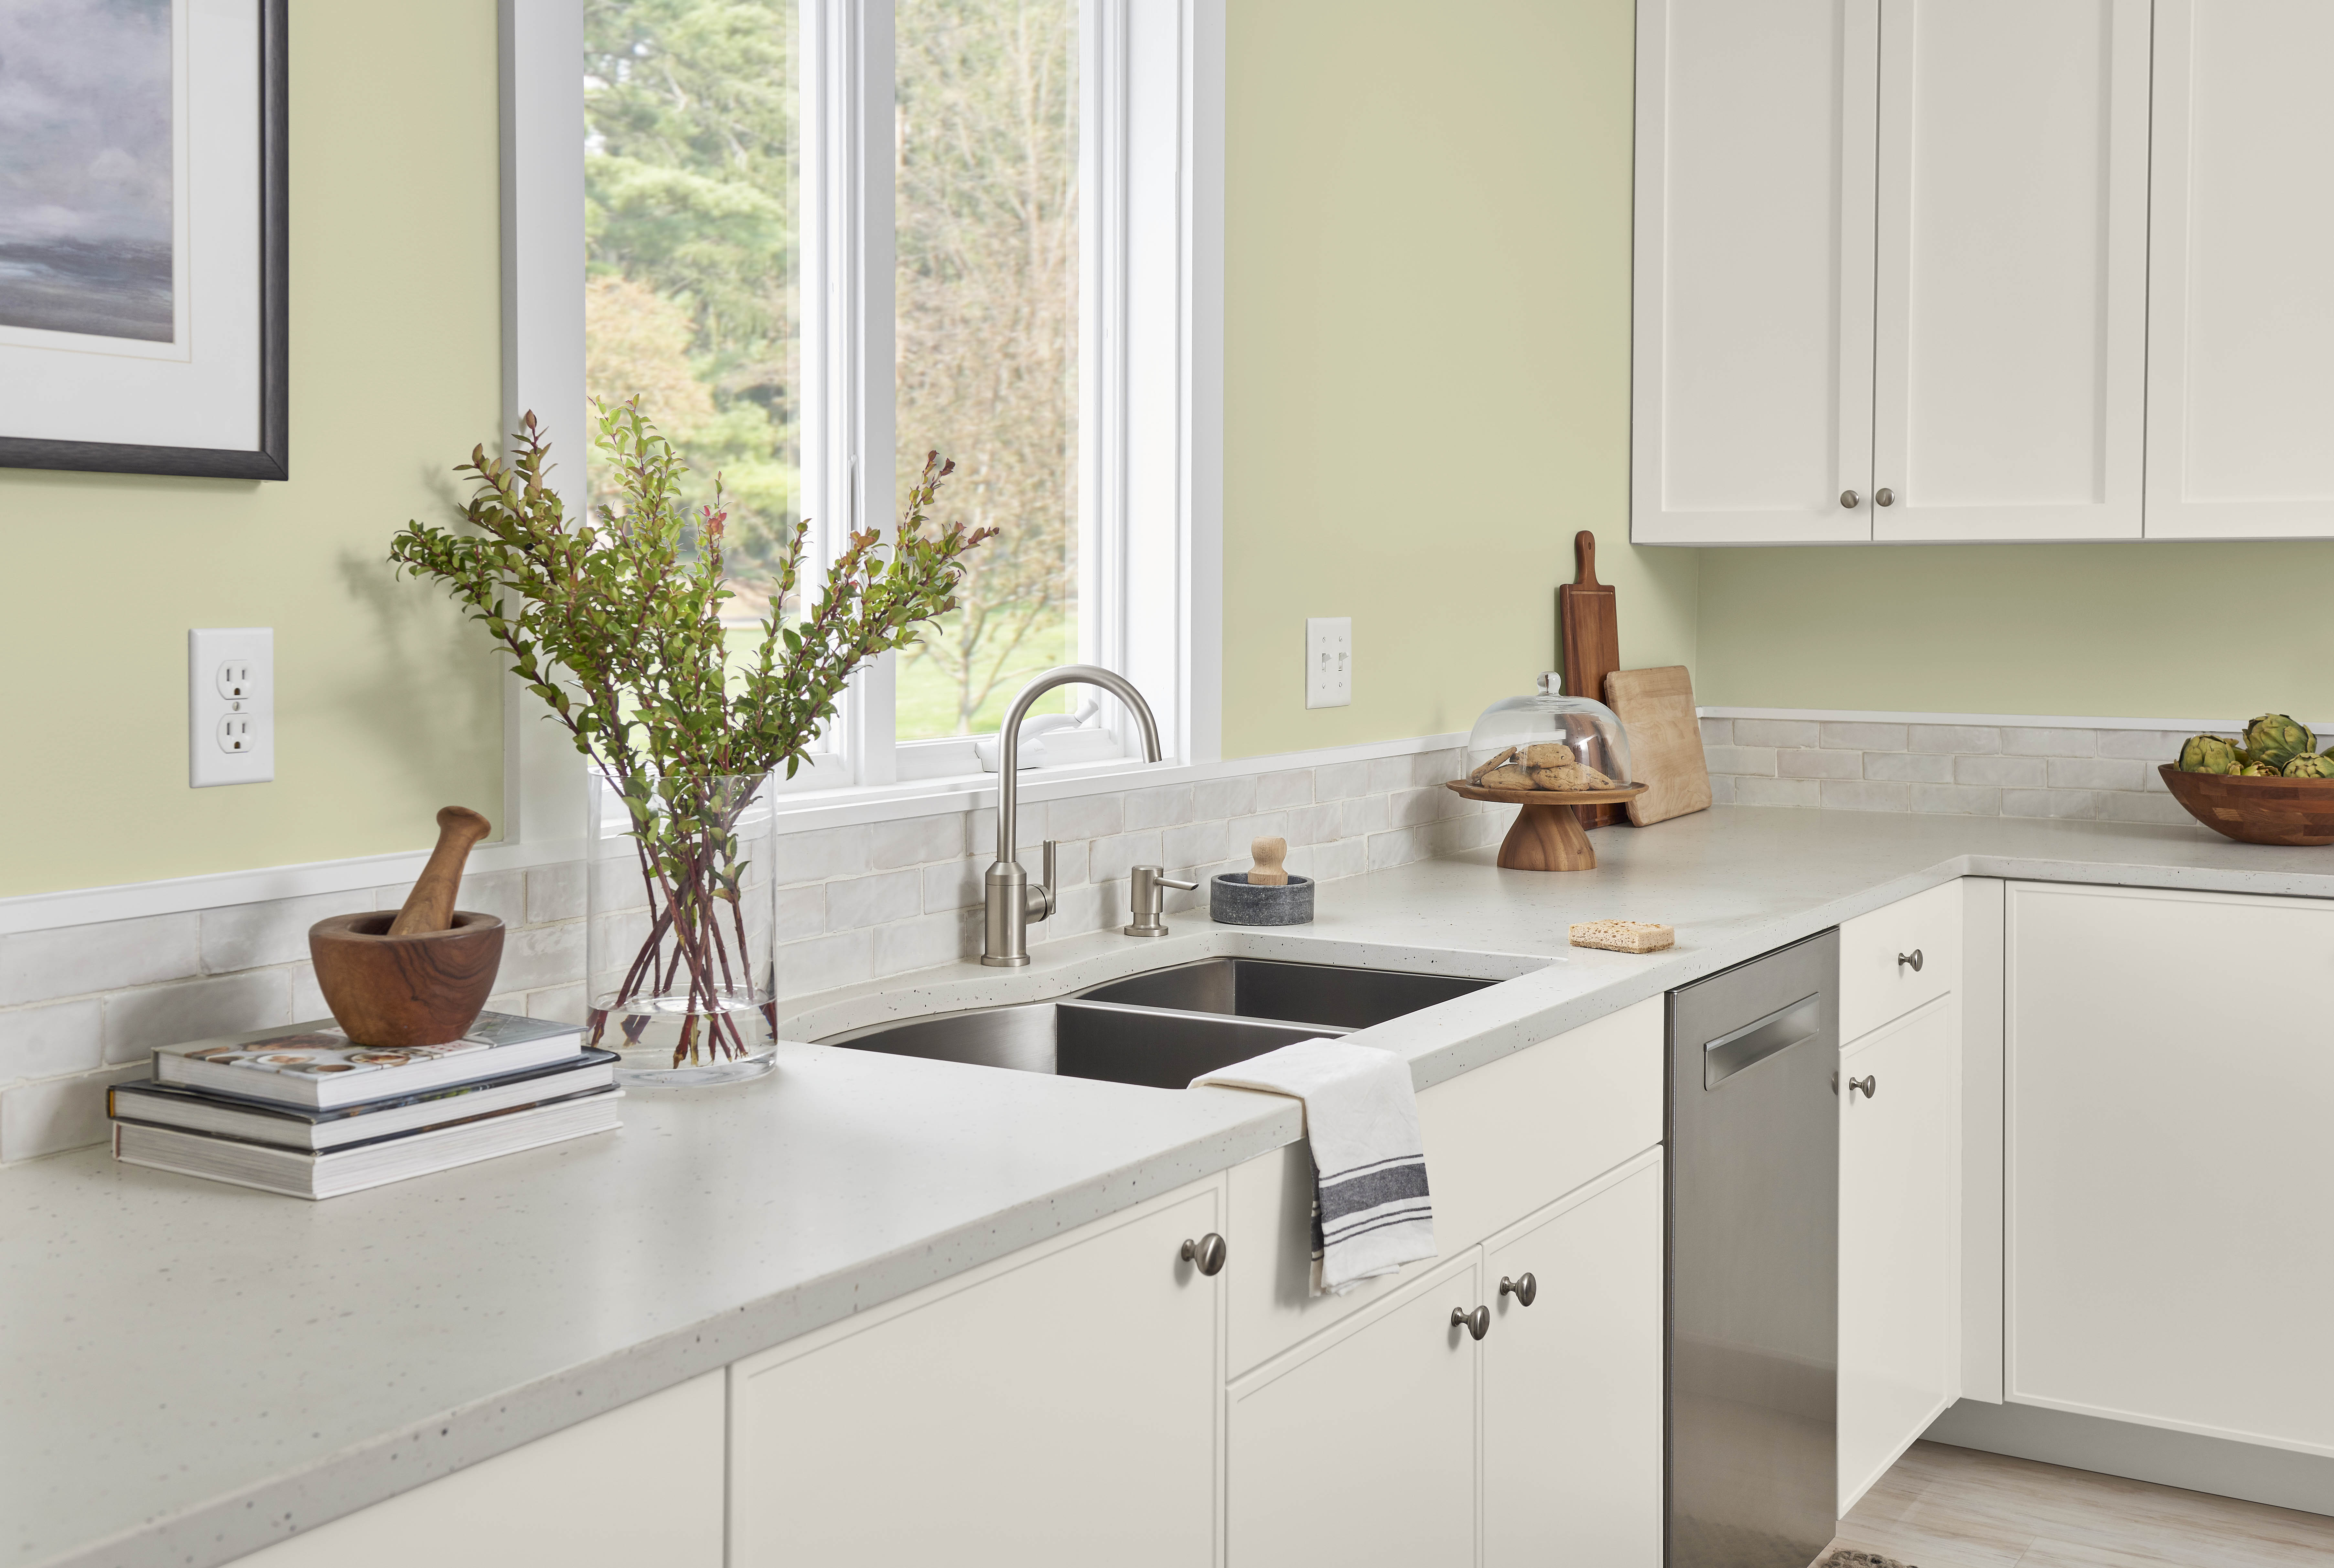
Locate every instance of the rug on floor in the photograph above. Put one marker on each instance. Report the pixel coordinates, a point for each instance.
(1845, 1558)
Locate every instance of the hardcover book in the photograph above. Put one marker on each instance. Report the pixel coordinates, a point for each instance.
(297, 1126)
(316, 1067)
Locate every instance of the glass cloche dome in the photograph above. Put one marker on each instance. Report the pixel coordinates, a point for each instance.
(1548, 741)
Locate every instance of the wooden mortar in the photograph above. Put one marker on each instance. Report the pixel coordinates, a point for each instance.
(419, 975)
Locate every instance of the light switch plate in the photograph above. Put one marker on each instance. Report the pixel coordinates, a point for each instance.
(1329, 661)
(230, 705)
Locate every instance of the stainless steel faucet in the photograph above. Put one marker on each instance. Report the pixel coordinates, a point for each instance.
(1010, 900)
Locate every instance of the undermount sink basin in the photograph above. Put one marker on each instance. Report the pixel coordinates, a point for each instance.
(1166, 1028)
(1323, 993)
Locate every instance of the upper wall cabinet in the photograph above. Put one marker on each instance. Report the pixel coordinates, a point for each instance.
(1891, 270)
(2240, 318)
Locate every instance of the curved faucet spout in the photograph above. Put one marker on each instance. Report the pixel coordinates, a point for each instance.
(1011, 902)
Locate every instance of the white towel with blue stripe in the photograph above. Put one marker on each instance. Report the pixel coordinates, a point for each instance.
(1371, 1213)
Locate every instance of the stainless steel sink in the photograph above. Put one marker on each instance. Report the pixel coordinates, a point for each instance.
(1323, 993)
(1166, 1028)
(1081, 1039)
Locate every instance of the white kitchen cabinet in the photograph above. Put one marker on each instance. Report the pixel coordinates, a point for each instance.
(1891, 271)
(1056, 1407)
(1900, 1307)
(1572, 1384)
(641, 1484)
(1502, 1141)
(1359, 1445)
(2170, 1172)
(2010, 302)
(1752, 399)
(2241, 321)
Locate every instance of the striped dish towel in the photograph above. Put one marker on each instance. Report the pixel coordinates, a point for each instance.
(1371, 1214)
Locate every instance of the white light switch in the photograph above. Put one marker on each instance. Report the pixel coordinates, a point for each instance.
(1329, 661)
(230, 705)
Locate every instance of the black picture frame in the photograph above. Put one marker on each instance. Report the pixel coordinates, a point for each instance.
(271, 459)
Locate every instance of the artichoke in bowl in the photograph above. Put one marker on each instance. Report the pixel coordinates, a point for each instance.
(2311, 765)
(2210, 754)
(2259, 769)
(2277, 739)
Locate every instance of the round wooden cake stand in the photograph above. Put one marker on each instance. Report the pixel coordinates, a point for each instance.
(1547, 835)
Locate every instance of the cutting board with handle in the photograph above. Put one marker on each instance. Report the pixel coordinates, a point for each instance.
(1588, 644)
(1656, 707)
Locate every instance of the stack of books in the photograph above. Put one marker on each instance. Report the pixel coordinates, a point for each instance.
(309, 1112)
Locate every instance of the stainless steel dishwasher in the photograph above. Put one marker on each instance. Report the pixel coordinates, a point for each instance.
(1754, 1261)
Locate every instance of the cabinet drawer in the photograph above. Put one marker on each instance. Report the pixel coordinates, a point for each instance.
(1500, 1141)
(1874, 986)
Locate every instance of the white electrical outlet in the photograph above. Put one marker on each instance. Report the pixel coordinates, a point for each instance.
(230, 705)
(1329, 661)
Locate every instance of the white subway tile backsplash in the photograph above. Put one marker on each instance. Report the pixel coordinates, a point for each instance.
(1972, 740)
(1718, 731)
(801, 912)
(1772, 732)
(1722, 789)
(2008, 772)
(538, 955)
(1741, 759)
(2049, 742)
(54, 1114)
(823, 962)
(1084, 817)
(1275, 790)
(2093, 774)
(138, 1020)
(1341, 780)
(74, 960)
(954, 884)
(926, 940)
(1389, 773)
(2148, 746)
(823, 852)
(916, 841)
(554, 893)
(1856, 794)
(275, 931)
(1195, 844)
(1908, 767)
(45, 1039)
(854, 901)
(1863, 737)
(1820, 764)
(1215, 798)
(1110, 859)
(1756, 789)
(1168, 807)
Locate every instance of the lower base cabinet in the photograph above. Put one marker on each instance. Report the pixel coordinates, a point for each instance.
(1900, 1141)
(1397, 1437)
(1572, 1383)
(1055, 1408)
(1359, 1446)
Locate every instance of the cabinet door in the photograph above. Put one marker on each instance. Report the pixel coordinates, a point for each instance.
(1059, 1409)
(1572, 1384)
(1899, 1239)
(2010, 324)
(1751, 408)
(2170, 1169)
(2241, 323)
(1359, 1445)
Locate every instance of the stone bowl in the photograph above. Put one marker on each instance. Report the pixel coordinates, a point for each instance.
(1234, 900)
(424, 989)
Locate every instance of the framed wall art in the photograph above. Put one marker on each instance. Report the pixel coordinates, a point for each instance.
(143, 236)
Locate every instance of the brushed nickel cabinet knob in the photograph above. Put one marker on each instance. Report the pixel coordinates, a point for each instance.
(1525, 1290)
(1868, 1083)
(1884, 497)
(1850, 499)
(1206, 1255)
(1477, 1322)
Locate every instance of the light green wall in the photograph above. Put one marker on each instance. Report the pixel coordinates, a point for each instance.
(2101, 630)
(387, 706)
(1426, 356)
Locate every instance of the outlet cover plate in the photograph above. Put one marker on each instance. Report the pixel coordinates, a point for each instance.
(1329, 661)
(219, 752)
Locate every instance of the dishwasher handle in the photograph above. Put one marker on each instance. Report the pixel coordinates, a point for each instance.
(1756, 1041)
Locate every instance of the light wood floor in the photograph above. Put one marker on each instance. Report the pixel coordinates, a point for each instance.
(1942, 1507)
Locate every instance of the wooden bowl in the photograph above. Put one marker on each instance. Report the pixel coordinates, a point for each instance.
(424, 989)
(2257, 811)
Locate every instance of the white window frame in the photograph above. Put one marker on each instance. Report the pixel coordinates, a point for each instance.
(1151, 80)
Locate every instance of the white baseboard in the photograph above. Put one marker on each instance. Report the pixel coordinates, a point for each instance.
(2276, 1476)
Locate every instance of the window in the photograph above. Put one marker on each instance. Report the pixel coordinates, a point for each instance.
(824, 236)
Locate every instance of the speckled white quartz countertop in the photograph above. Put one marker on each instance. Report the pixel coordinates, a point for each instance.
(189, 1372)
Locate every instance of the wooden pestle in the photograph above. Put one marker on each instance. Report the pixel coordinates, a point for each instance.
(1268, 870)
(429, 907)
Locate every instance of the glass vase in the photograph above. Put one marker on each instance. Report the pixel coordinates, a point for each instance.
(678, 949)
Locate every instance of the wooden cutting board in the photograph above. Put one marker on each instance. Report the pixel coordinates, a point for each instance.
(1656, 707)
(1588, 643)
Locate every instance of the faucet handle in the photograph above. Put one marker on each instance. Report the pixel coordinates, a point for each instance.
(1041, 897)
